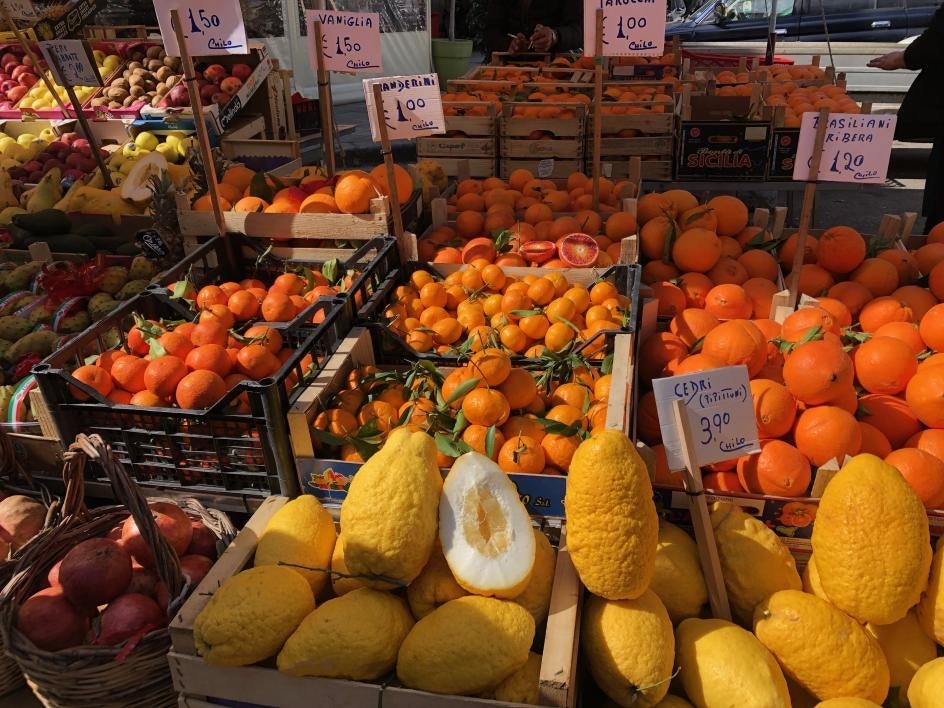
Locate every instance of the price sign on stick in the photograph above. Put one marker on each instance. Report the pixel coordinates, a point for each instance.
(21, 10)
(856, 148)
(720, 415)
(350, 41)
(71, 62)
(630, 27)
(210, 27)
(412, 106)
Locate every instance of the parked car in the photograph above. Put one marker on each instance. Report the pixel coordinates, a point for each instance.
(803, 20)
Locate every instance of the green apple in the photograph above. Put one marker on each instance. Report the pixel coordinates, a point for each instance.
(47, 134)
(147, 141)
(131, 151)
(26, 138)
(186, 146)
(168, 151)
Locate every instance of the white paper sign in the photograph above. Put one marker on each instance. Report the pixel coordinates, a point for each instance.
(720, 413)
(630, 27)
(350, 41)
(545, 168)
(210, 26)
(412, 106)
(856, 148)
(73, 59)
(21, 10)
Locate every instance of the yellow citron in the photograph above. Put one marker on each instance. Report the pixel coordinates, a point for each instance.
(678, 579)
(466, 647)
(755, 562)
(300, 533)
(536, 597)
(629, 647)
(825, 651)
(612, 536)
(341, 582)
(671, 701)
(251, 615)
(931, 607)
(356, 636)
(723, 665)
(390, 515)
(906, 648)
(871, 577)
(484, 529)
(847, 703)
(927, 686)
(433, 587)
(523, 686)
(811, 583)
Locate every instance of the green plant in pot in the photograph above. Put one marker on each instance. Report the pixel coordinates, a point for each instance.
(451, 56)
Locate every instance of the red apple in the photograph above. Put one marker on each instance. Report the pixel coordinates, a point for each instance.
(241, 71)
(16, 93)
(215, 73)
(28, 80)
(230, 85)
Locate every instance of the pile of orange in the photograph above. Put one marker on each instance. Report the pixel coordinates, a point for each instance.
(505, 414)
(860, 371)
(529, 210)
(799, 100)
(239, 190)
(191, 365)
(482, 307)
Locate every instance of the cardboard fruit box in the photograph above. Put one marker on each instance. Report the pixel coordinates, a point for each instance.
(201, 684)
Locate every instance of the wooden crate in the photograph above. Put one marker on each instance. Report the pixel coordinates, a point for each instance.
(474, 167)
(201, 684)
(513, 126)
(549, 167)
(650, 168)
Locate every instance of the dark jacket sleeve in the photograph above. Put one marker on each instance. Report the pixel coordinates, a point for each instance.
(570, 32)
(928, 50)
(496, 29)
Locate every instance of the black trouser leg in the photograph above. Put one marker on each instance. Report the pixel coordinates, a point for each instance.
(934, 186)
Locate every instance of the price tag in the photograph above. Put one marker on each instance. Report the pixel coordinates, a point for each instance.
(210, 27)
(412, 106)
(630, 27)
(720, 414)
(545, 168)
(75, 63)
(350, 41)
(21, 10)
(856, 148)
(606, 169)
(150, 241)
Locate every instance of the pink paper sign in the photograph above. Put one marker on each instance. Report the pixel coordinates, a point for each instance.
(856, 148)
(412, 106)
(350, 41)
(630, 27)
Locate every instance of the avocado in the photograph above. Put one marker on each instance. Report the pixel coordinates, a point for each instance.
(20, 235)
(71, 243)
(92, 231)
(47, 222)
(104, 243)
(128, 249)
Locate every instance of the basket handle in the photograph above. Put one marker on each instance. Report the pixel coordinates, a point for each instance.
(129, 494)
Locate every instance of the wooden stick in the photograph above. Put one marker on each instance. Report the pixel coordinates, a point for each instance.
(203, 136)
(387, 151)
(37, 64)
(806, 210)
(597, 108)
(701, 521)
(324, 104)
(76, 105)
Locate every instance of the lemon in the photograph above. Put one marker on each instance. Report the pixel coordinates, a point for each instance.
(931, 607)
(678, 579)
(927, 686)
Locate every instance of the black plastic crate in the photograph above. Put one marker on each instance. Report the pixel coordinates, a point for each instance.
(391, 349)
(236, 256)
(217, 450)
(307, 114)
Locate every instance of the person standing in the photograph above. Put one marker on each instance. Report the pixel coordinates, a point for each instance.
(921, 115)
(533, 25)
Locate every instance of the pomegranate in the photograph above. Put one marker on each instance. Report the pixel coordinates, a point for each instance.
(203, 542)
(128, 615)
(173, 524)
(195, 568)
(143, 580)
(95, 572)
(51, 622)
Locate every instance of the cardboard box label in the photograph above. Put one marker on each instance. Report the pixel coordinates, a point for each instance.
(723, 150)
(720, 413)
(856, 148)
(350, 41)
(210, 27)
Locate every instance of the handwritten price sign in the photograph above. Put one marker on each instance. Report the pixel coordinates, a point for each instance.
(21, 10)
(210, 27)
(856, 148)
(412, 106)
(720, 414)
(74, 62)
(350, 41)
(630, 27)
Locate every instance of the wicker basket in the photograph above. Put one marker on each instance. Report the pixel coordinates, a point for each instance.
(104, 677)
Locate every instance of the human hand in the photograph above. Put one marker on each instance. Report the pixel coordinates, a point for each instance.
(543, 38)
(519, 43)
(890, 61)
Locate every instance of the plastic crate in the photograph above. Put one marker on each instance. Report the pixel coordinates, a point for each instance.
(212, 451)
(307, 114)
(390, 348)
(236, 256)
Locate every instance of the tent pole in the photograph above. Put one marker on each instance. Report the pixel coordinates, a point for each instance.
(771, 33)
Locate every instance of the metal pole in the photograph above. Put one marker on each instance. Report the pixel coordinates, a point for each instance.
(771, 33)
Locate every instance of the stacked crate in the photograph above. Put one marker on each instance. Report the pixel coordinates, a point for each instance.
(471, 135)
(550, 146)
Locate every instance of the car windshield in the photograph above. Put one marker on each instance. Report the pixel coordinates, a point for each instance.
(742, 10)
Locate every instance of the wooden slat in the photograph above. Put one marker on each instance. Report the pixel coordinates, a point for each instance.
(563, 148)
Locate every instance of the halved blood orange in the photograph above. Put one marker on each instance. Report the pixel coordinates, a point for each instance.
(538, 251)
(578, 250)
